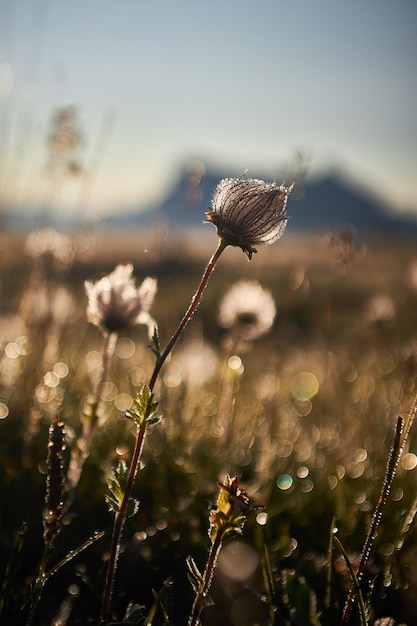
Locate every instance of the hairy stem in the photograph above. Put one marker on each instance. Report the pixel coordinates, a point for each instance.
(202, 594)
(195, 301)
(392, 465)
(140, 438)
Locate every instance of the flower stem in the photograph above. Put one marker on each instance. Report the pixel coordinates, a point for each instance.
(201, 596)
(195, 301)
(140, 438)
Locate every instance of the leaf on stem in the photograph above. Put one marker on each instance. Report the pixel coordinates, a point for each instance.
(144, 409)
(117, 486)
(194, 575)
(155, 347)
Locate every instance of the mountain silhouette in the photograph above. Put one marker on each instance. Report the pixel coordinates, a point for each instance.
(329, 202)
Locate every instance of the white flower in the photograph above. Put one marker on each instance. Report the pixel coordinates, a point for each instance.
(195, 362)
(249, 212)
(48, 243)
(116, 303)
(247, 309)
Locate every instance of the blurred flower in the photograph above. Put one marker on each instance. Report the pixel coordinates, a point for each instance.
(249, 212)
(115, 303)
(195, 361)
(247, 309)
(46, 244)
(347, 246)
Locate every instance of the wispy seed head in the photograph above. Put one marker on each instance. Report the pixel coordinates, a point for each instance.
(249, 212)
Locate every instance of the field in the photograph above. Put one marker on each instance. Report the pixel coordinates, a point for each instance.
(305, 414)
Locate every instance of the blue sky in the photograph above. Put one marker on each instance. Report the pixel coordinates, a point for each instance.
(238, 84)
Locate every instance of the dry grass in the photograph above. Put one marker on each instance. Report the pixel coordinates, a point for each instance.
(306, 415)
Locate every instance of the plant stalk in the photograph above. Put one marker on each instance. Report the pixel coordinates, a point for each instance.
(201, 596)
(140, 437)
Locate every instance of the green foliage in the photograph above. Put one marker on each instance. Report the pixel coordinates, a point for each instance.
(155, 347)
(144, 409)
(116, 491)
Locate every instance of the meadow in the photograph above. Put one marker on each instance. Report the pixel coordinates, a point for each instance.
(305, 412)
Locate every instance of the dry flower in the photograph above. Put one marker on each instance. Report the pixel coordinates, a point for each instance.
(233, 504)
(249, 212)
(48, 244)
(115, 303)
(247, 309)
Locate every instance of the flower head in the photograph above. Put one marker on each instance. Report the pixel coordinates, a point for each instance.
(116, 303)
(233, 504)
(247, 309)
(249, 212)
(49, 245)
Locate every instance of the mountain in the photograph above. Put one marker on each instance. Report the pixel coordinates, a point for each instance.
(326, 203)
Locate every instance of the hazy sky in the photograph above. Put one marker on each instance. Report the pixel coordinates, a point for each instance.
(240, 84)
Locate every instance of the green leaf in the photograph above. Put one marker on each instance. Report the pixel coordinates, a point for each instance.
(144, 408)
(117, 487)
(156, 346)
